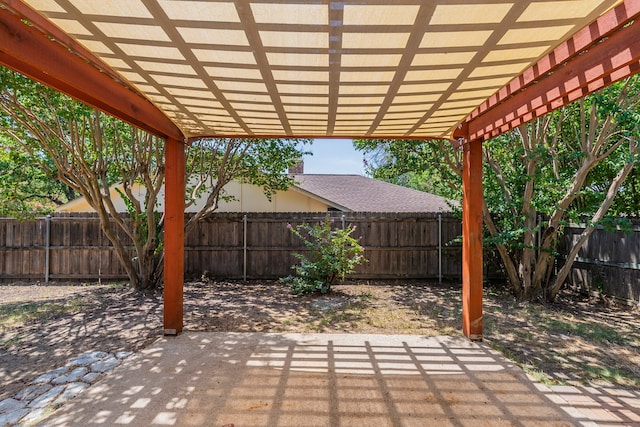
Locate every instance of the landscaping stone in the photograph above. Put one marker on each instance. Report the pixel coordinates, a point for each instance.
(123, 354)
(12, 417)
(91, 377)
(8, 405)
(105, 365)
(70, 392)
(72, 376)
(33, 391)
(46, 398)
(35, 415)
(46, 378)
(87, 359)
(54, 388)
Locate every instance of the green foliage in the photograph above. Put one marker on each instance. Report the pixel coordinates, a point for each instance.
(417, 164)
(558, 157)
(213, 163)
(141, 224)
(88, 152)
(48, 141)
(27, 190)
(333, 253)
(267, 159)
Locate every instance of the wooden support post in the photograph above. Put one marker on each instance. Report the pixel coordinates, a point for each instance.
(472, 240)
(174, 188)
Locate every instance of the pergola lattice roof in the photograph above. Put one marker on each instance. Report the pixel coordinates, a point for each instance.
(405, 68)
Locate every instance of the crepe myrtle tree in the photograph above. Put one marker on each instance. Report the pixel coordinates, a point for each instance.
(566, 166)
(90, 152)
(213, 163)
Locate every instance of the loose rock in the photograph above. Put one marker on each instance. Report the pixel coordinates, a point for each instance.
(54, 388)
(72, 376)
(46, 378)
(105, 365)
(33, 391)
(8, 405)
(12, 418)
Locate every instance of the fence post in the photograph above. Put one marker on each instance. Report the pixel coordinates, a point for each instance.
(439, 248)
(244, 251)
(47, 244)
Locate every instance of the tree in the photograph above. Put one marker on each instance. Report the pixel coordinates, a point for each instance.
(567, 165)
(26, 190)
(89, 152)
(213, 163)
(431, 166)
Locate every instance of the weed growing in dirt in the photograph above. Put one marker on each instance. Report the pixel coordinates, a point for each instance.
(366, 296)
(538, 375)
(15, 340)
(532, 370)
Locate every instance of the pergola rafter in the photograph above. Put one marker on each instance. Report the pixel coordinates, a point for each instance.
(64, 65)
(372, 69)
(600, 54)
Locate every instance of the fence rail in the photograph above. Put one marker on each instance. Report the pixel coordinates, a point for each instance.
(71, 247)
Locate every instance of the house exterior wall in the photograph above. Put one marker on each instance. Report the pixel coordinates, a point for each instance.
(293, 201)
(249, 198)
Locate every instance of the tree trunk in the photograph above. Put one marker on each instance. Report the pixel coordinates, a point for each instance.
(512, 273)
(554, 287)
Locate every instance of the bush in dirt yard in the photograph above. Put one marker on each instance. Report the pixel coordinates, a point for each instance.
(333, 253)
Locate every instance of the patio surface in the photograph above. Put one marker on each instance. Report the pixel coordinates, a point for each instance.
(258, 379)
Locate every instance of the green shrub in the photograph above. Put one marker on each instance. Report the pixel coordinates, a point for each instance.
(332, 254)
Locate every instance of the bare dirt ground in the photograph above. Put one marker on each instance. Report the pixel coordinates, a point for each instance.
(575, 341)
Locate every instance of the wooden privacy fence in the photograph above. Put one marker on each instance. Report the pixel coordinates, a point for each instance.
(608, 263)
(63, 247)
(71, 247)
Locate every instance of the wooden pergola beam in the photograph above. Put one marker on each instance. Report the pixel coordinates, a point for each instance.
(472, 259)
(174, 236)
(602, 53)
(28, 50)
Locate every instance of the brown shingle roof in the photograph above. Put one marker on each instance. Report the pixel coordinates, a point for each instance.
(361, 194)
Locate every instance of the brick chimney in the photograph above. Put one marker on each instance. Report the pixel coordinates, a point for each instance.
(297, 169)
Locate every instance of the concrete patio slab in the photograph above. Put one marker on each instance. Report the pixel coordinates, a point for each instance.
(257, 379)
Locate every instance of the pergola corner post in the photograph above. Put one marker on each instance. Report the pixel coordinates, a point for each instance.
(174, 189)
(472, 200)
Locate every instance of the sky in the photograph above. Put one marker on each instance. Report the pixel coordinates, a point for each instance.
(333, 156)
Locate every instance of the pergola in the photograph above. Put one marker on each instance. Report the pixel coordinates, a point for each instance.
(464, 70)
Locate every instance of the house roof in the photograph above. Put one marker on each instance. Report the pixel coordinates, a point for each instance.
(357, 193)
